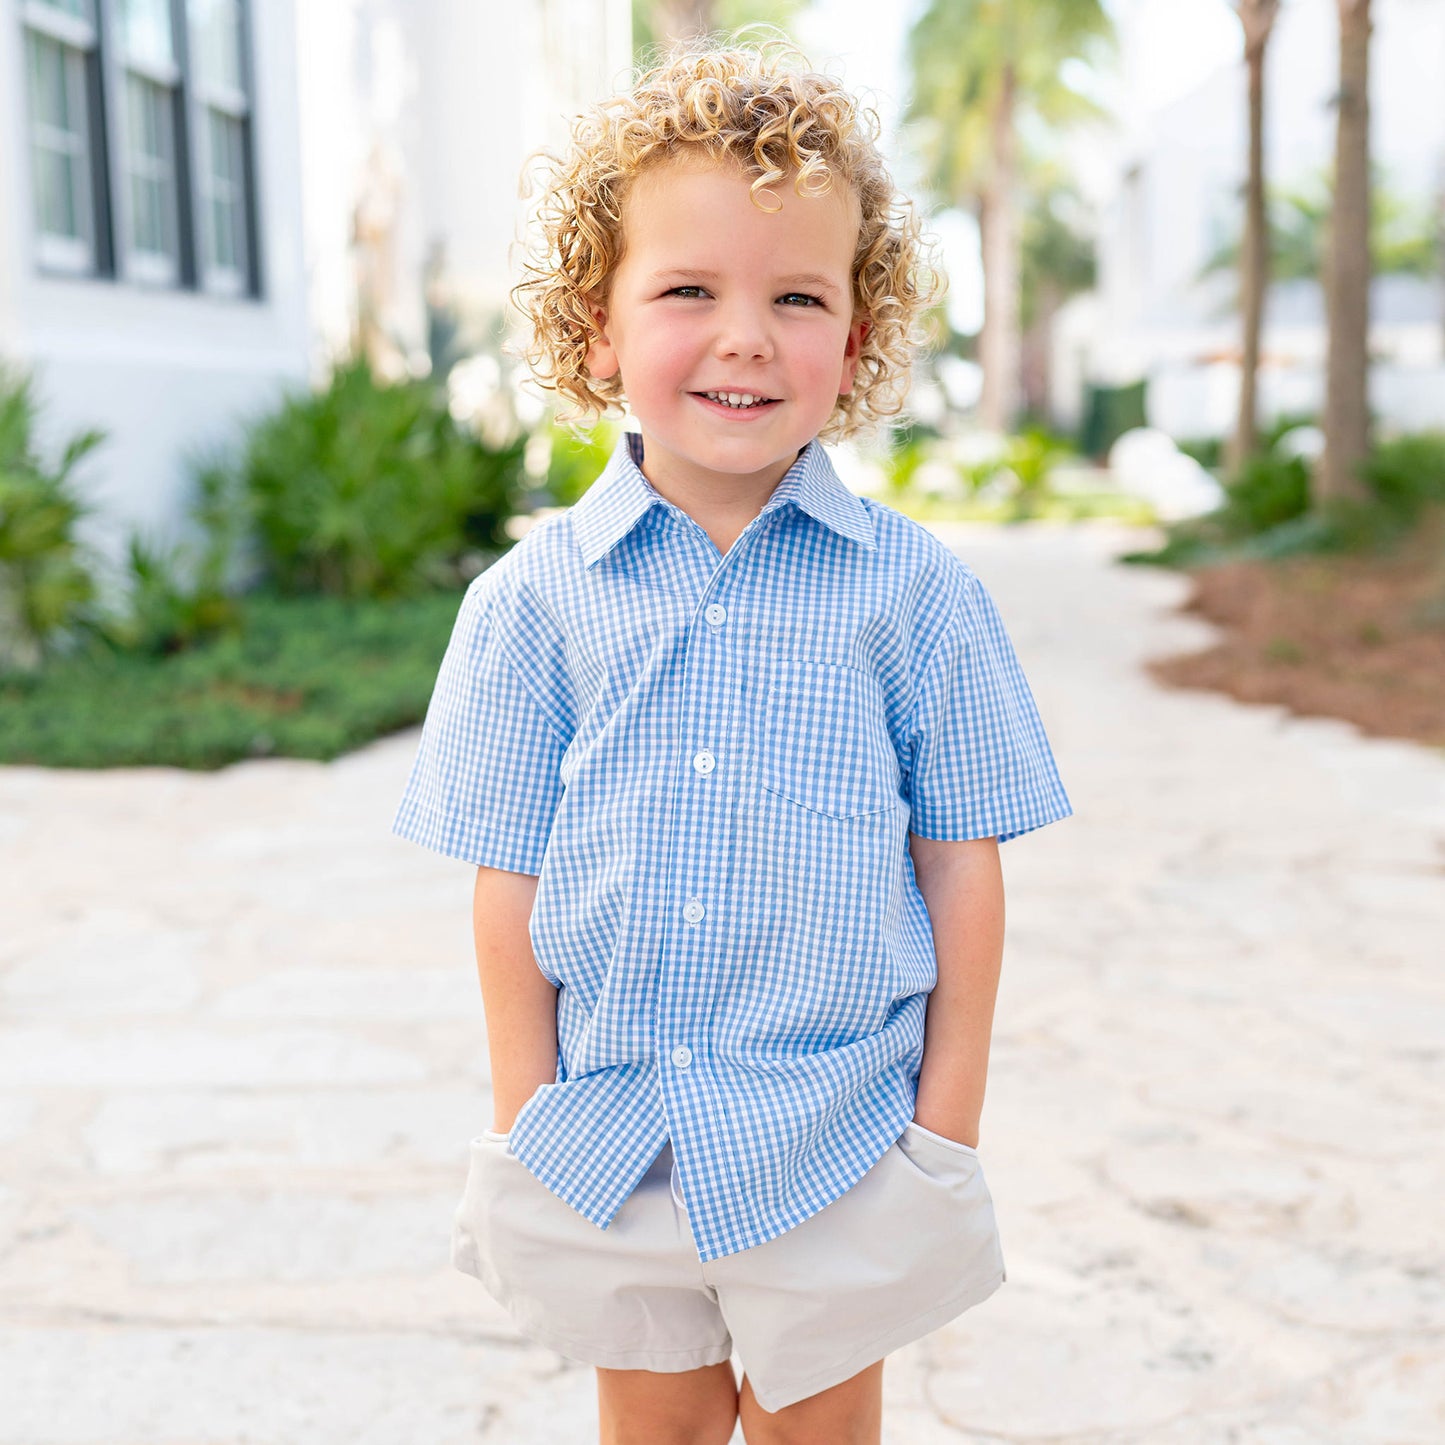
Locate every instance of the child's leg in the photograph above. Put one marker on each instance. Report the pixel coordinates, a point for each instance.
(646, 1407)
(846, 1414)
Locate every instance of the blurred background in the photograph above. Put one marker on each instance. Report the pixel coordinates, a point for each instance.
(254, 263)
(261, 421)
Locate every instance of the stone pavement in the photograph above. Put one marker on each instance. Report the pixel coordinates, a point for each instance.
(242, 1051)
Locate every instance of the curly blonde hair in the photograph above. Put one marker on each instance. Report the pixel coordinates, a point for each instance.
(747, 104)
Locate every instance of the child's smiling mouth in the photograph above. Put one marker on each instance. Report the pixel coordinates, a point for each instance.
(736, 403)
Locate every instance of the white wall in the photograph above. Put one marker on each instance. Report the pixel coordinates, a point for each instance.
(453, 94)
(162, 371)
(1178, 194)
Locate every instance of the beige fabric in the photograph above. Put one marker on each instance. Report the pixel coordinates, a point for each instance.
(912, 1245)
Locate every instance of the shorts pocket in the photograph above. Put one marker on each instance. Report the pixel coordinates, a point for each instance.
(825, 742)
(943, 1140)
(472, 1219)
(957, 1199)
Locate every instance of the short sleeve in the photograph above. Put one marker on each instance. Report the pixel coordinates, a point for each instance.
(486, 781)
(981, 766)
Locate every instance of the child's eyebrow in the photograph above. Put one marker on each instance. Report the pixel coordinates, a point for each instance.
(803, 278)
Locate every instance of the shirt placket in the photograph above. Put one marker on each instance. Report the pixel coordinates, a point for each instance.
(704, 784)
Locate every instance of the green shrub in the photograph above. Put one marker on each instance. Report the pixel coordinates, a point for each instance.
(577, 462)
(47, 587)
(1031, 456)
(1267, 490)
(1271, 435)
(308, 677)
(1407, 474)
(1207, 451)
(170, 607)
(370, 490)
(909, 446)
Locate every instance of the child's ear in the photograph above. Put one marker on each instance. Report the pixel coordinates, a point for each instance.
(852, 350)
(601, 354)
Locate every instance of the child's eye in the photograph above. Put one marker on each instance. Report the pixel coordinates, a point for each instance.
(686, 291)
(801, 297)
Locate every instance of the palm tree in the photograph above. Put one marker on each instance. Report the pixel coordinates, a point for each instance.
(1257, 17)
(1057, 262)
(1347, 277)
(980, 68)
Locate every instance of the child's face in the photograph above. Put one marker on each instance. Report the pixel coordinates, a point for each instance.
(714, 294)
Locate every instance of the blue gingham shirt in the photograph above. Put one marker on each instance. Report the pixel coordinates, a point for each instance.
(713, 761)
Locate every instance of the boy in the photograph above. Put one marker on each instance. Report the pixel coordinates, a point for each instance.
(733, 750)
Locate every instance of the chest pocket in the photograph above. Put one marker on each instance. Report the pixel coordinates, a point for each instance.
(825, 739)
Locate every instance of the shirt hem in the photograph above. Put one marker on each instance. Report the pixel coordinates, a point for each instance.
(995, 821)
(493, 849)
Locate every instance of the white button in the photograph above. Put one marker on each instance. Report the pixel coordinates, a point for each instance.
(704, 762)
(716, 614)
(682, 1056)
(693, 911)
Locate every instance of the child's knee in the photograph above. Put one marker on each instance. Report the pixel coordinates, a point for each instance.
(646, 1407)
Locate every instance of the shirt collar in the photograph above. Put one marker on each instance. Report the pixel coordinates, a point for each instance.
(609, 509)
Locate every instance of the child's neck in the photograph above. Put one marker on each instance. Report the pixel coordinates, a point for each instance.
(721, 503)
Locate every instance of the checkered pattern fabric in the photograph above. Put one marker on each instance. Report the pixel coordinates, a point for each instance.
(713, 762)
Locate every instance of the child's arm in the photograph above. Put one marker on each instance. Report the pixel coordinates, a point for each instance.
(962, 885)
(519, 1000)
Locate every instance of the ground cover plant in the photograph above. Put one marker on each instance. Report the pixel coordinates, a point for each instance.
(305, 612)
(1334, 610)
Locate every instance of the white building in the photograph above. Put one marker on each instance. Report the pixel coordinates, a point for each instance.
(1177, 195)
(189, 191)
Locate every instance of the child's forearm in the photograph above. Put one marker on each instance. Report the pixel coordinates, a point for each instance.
(962, 884)
(519, 1001)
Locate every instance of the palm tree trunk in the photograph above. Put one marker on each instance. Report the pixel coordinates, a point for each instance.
(1347, 289)
(999, 341)
(1254, 257)
(1036, 359)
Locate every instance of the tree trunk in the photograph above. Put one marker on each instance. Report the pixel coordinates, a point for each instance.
(999, 341)
(1254, 256)
(1347, 413)
(1037, 369)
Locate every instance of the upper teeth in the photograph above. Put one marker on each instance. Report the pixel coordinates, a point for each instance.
(734, 398)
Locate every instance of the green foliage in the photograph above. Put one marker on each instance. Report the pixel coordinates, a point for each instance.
(1207, 451)
(1058, 253)
(1268, 514)
(1033, 454)
(1267, 490)
(309, 677)
(47, 591)
(372, 490)
(170, 608)
(1407, 474)
(909, 446)
(1403, 234)
(577, 462)
(649, 34)
(961, 52)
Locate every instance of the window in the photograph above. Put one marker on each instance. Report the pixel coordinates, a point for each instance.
(217, 27)
(150, 81)
(141, 141)
(60, 46)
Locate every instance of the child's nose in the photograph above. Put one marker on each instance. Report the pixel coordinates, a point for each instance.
(744, 332)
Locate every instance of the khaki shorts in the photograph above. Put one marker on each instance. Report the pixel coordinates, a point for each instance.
(910, 1246)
